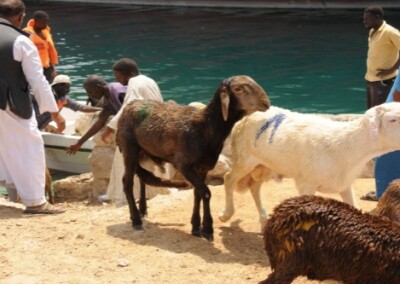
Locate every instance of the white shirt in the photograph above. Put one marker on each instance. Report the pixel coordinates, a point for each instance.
(140, 87)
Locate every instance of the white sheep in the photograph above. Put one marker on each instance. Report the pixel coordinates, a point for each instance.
(320, 154)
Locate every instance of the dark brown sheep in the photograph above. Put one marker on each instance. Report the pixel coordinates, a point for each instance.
(189, 138)
(328, 239)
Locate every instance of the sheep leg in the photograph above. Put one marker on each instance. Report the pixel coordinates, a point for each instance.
(208, 231)
(237, 175)
(142, 200)
(130, 155)
(127, 181)
(229, 210)
(349, 197)
(201, 193)
(196, 228)
(255, 189)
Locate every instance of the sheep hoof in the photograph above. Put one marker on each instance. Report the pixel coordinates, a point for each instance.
(197, 233)
(224, 217)
(138, 227)
(208, 237)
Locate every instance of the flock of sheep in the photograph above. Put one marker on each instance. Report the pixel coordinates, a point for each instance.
(307, 235)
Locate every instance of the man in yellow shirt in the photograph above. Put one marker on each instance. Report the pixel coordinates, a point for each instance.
(39, 32)
(383, 56)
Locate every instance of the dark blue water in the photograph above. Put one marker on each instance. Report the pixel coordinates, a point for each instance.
(306, 60)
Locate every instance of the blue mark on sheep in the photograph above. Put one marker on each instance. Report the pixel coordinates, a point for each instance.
(276, 120)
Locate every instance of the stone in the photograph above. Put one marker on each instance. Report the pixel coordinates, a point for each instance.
(101, 160)
(74, 188)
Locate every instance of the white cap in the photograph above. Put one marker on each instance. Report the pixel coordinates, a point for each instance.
(61, 79)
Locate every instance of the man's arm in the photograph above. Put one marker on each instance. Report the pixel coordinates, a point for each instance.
(96, 127)
(76, 106)
(87, 108)
(26, 53)
(384, 72)
(59, 120)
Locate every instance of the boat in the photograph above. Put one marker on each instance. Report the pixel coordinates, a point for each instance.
(55, 144)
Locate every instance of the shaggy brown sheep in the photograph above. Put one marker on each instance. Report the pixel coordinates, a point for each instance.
(189, 138)
(389, 204)
(323, 239)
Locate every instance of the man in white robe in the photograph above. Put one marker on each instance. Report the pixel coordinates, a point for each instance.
(22, 160)
(140, 87)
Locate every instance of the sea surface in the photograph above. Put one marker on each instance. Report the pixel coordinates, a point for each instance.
(306, 60)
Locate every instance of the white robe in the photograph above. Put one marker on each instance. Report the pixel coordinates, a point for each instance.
(22, 160)
(140, 87)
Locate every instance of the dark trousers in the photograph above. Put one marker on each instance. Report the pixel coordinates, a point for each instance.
(378, 91)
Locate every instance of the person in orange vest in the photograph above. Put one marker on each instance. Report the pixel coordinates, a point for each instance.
(39, 32)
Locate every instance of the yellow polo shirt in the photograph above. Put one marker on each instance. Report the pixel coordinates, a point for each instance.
(383, 51)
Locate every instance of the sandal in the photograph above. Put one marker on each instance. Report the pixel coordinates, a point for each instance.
(370, 196)
(45, 208)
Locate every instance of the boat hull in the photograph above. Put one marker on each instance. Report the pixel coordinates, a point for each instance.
(58, 159)
(55, 145)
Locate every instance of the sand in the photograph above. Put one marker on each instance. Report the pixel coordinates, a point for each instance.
(95, 243)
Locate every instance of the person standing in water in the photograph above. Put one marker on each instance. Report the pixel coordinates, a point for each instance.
(383, 58)
(39, 32)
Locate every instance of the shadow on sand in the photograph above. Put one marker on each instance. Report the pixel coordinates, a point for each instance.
(239, 246)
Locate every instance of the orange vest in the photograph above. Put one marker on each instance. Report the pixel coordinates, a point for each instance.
(47, 51)
(61, 104)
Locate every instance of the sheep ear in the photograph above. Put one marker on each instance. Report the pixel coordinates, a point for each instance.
(224, 104)
(379, 110)
(375, 116)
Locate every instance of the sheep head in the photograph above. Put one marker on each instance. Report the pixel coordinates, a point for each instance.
(250, 96)
(385, 121)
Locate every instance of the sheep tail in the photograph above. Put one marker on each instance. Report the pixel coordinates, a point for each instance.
(150, 179)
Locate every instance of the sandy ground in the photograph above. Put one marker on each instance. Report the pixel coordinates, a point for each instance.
(96, 243)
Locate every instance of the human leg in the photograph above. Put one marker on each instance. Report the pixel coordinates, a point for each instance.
(44, 208)
(377, 92)
(22, 160)
(115, 188)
